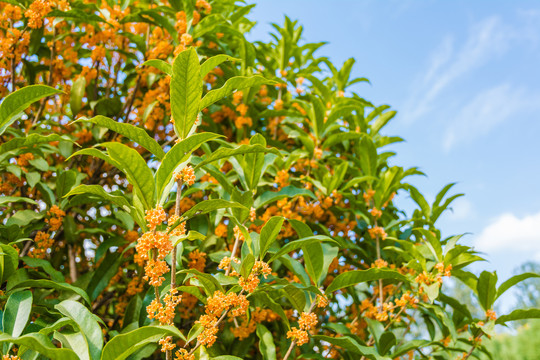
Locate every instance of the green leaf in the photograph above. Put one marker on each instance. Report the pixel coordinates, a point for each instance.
(48, 284)
(137, 172)
(24, 217)
(10, 199)
(186, 91)
(234, 83)
(296, 244)
(46, 266)
(87, 324)
(382, 120)
(514, 280)
(41, 344)
(97, 190)
(296, 297)
(17, 312)
(210, 205)
(208, 282)
(160, 65)
(269, 233)
(226, 357)
(487, 289)
(19, 100)
(287, 192)
(519, 314)
(74, 341)
(76, 95)
(254, 162)
(351, 345)
(64, 182)
(359, 276)
(386, 341)
(123, 345)
(266, 343)
(214, 61)
(178, 154)
(223, 153)
(314, 260)
(30, 140)
(134, 133)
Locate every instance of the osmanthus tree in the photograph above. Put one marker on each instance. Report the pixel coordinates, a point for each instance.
(171, 190)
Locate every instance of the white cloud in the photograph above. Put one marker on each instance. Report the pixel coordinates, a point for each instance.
(486, 39)
(486, 110)
(511, 234)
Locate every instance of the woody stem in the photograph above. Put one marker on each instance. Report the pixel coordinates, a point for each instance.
(168, 354)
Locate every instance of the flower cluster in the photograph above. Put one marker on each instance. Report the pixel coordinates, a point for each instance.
(56, 216)
(164, 313)
(377, 232)
(187, 175)
(42, 242)
(235, 304)
(250, 284)
(155, 217)
(306, 322)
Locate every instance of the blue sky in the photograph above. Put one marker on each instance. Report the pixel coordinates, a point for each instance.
(464, 78)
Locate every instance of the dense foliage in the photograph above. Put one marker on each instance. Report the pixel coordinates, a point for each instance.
(150, 138)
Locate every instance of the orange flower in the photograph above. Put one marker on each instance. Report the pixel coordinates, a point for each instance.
(183, 354)
(155, 217)
(154, 270)
(377, 231)
(307, 321)
(300, 336)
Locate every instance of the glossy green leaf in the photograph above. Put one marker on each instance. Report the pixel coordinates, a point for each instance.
(41, 344)
(211, 63)
(160, 65)
(17, 312)
(520, 314)
(178, 154)
(313, 260)
(132, 132)
(123, 345)
(46, 266)
(232, 84)
(254, 163)
(137, 172)
(210, 205)
(266, 343)
(269, 233)
(31, 140)
(48, 284)
(87, 324)
(12, 199)
(297, 244)
(354, 277)
(19, 100)
(350, 345)
(223, 153)
(487, 289)
(77, 94)
(186, 91)
(287, 192)
(98, 190)
(513, 281)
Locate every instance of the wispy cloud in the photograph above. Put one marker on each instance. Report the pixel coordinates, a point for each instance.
(486, 110)
(486, 39)
(511, 234)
